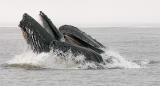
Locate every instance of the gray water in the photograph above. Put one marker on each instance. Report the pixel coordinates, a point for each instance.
(133, 44)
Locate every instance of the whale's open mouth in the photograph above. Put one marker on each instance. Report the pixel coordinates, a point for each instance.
(39, 36)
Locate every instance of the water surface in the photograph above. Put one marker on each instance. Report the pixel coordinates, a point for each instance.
(141, 44)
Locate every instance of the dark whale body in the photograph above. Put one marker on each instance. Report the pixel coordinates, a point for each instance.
(83, 39)
(47, 37)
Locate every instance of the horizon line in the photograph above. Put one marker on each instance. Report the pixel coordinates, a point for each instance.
(99, 26)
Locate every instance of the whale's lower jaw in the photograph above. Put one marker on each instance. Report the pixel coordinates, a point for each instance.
(35, 35)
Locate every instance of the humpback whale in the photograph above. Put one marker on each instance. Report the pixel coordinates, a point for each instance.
(46, 38)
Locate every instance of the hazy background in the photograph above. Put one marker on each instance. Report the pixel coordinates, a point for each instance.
(84, 12)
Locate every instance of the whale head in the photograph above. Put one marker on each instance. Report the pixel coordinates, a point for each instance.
(34, 34)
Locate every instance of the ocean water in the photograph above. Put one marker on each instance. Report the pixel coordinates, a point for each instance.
(136, 61)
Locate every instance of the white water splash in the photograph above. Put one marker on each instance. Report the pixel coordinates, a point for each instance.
(29, 58)
(45, 60)
(115, 60)
(68, 61)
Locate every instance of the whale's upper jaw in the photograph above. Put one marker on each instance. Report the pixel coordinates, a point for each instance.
(35, 35)
(51, 28)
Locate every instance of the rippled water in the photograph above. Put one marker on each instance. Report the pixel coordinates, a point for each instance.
(139, 45)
